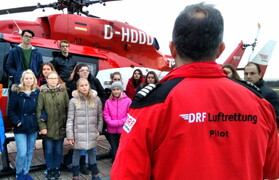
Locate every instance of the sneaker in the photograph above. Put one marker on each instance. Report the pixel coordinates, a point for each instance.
(49, 174)
(20, 177)
(28, 177)
(95, 177)
(75, 178)
(56, 174)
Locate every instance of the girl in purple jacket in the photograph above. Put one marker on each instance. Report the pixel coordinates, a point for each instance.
(115, 114)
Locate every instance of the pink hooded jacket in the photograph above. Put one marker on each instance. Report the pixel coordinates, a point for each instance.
(115, 113)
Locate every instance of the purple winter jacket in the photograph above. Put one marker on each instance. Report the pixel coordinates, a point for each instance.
(115, 113)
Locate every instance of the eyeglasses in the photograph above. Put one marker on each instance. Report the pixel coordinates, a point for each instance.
(52, 78)
(29, 37)
(64, 46)
(83, 70)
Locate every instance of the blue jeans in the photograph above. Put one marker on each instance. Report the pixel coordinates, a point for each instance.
(54, 153)
(25, 144)
(84, 152)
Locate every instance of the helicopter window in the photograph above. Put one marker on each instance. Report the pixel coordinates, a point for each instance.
(4, 50)
(156, 44)
(90, 61)
(46, 53)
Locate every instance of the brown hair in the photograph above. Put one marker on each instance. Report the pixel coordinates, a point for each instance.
(64, 41)
(75, 75)
(234, 73)
(257, 66)
(113, 74)
(155, 77)
(60, 81)
(136, 83)
(42, 67)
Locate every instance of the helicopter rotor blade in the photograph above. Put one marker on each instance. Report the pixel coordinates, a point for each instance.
(86, 13)
(97, 1)
(60, 5)
(18, 10)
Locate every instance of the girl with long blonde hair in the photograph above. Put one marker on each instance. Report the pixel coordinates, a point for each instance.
(84, 124)
(22, 113)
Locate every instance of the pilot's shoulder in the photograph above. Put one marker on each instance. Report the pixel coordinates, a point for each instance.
(252, 87)
(154, 93)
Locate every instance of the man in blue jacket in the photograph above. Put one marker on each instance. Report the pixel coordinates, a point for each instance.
(23, 57)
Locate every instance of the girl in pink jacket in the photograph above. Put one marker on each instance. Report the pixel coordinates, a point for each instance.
(115, 114)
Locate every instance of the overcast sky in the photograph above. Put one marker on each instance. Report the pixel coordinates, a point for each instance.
(156, 17)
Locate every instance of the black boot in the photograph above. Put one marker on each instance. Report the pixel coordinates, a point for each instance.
(75, 170)
(83, 169)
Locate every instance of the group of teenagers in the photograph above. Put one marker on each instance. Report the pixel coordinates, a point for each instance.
(59, 104)
(158, 140)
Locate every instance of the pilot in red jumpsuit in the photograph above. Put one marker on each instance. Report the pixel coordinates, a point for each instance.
(196, 123)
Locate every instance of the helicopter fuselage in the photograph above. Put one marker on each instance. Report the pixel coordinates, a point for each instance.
(111, 36)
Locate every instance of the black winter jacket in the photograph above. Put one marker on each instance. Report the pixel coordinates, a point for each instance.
(63, 65)
(271, 96)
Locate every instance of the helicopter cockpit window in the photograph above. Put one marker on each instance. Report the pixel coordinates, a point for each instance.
(4, 50)
(156, 44)
(46, 53)
(92, 63)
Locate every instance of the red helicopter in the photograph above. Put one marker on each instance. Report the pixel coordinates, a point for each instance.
(106, 46)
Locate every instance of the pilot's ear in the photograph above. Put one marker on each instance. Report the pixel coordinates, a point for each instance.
(172, 49)
(221, 49)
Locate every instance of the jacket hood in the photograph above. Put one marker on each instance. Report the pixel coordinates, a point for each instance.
(16, 88)
(32, 47)
(59, 87)
(124, 96)
(76, 94)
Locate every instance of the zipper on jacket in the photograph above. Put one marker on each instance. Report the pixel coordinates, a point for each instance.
(23, 112)
(117, 114)
(87, 121)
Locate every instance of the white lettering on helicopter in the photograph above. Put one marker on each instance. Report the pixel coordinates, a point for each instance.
(128, 35)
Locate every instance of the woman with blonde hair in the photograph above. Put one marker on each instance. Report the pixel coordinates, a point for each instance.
(22, 114)
(84, 124)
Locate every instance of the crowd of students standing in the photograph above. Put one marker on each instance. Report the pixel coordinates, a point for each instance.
(62, 99)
